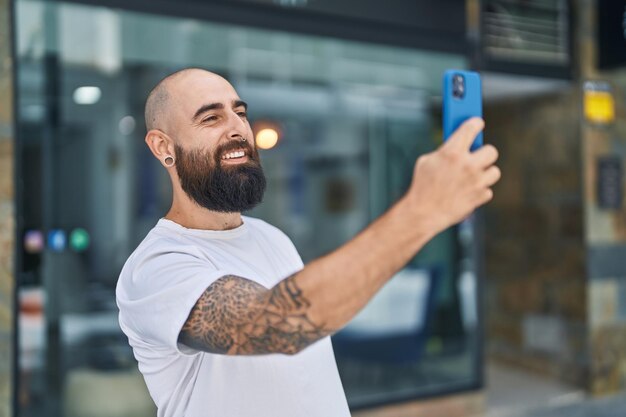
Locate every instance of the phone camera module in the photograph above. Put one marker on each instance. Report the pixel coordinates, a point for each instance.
(458, 86)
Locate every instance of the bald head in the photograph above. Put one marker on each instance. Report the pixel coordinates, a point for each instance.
(165, 95)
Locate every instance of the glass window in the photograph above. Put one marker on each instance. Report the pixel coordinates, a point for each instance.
(350, 121)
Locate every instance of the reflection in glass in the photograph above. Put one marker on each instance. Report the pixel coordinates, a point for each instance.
(350, 120)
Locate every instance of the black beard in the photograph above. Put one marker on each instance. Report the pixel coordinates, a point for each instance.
(230, 189)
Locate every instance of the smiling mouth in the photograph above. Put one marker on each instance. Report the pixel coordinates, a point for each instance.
(235, 156)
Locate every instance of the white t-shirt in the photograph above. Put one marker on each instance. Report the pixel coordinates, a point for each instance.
(159, 285)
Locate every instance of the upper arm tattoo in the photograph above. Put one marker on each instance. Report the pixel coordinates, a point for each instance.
(240, 317)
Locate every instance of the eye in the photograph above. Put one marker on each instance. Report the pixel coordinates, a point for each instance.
(210, 118)
(242, 113)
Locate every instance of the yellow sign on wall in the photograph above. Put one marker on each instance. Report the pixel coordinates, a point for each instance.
(599, 103)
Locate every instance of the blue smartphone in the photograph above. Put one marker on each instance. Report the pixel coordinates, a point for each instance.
(462, 99)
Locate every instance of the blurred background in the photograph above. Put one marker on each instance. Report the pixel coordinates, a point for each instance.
(519, 310)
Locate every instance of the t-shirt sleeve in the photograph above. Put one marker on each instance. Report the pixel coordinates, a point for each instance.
(159, 292)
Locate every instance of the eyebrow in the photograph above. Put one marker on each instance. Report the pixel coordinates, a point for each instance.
(240, 103)
(213, 106)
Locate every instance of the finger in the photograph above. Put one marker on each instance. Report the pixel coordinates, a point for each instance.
(464, 136)
(485, 156)
(491, 176)
(485, 197)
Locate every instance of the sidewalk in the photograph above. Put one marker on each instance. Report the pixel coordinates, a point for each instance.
(514, 393)
(602, 407)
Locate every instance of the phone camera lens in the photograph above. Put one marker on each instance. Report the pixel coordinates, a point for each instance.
(458, 86)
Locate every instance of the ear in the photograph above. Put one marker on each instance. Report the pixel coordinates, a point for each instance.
(161, 145)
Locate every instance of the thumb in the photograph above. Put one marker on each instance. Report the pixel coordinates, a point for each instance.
(464, 136)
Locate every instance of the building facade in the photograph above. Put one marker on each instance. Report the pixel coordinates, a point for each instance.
(350, 97)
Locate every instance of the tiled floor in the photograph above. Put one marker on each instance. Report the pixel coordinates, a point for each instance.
(514, 393)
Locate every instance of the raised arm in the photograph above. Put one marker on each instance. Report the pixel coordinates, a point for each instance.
(239, 317)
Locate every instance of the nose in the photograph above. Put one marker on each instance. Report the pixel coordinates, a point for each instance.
(237, 127)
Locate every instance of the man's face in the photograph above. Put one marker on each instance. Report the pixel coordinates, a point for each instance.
(216, 158)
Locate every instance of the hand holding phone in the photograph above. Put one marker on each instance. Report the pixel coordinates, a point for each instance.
(462, 100)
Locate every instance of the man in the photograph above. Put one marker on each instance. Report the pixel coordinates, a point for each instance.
(223, 318)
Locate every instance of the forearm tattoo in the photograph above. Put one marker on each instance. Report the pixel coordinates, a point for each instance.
(240, 317)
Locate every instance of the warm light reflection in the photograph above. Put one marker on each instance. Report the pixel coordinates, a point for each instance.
(266, 138)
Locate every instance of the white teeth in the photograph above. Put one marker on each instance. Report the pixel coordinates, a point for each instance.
(237, 154)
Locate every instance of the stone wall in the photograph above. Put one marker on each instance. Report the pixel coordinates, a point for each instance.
(605, 229)
(606, 241)
(7, 215)
(535, 255)
(556, 260)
